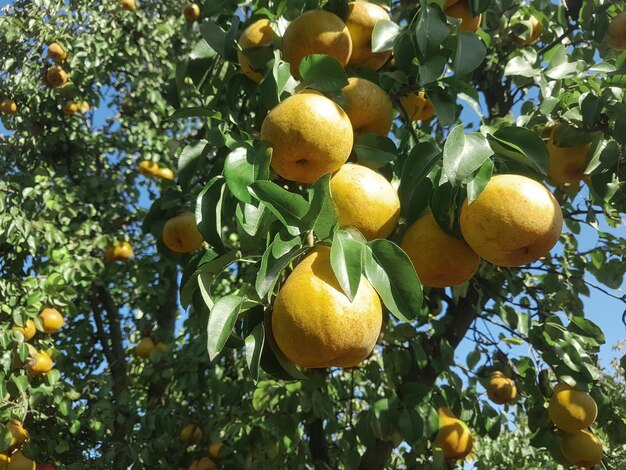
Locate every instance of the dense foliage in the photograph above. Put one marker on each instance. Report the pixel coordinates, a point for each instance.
(166, 90)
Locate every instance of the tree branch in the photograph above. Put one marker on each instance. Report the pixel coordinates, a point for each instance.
(317, 443)
(458, 319)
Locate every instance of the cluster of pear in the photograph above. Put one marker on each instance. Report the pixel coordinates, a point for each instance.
(310, 136)
(513, 222)
(454, 437)
(51, 321)
(118, 251)
(72, 108)
(56, 76)
(190, 435)
(39, 364)
(13, 458)
(572, 411)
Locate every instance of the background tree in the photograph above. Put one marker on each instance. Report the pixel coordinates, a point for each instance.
(538, 77)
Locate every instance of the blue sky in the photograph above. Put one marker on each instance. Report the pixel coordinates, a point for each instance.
(600, 308)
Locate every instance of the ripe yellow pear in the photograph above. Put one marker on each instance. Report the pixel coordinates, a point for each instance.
(70, 108)
(83, 107)
(316, 32)
(19, 435)
(205, 463)
(128, 5)
(122, 251)
(56, 77)
(57, 53)
(257, 34)
(180, 233)
(190, 434)
(191, 12)
(567, 164)
(51, 320)
(571, 410)
(310, 136)
(513, 222)
(440, 260)
(582, 449)
(418, 107)
(617, 32)
(28, 330)
(315, 324)
(365, 200)
(165, 173)
(20, 462)
(454, 437)
(148, 168)
(501, 389)
(361, 19)
(40, 364)
(461, 10)
(8, 107)
(369, 107)
(144, 348)
(216, 450)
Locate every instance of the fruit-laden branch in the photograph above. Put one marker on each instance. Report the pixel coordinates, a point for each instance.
(458, 319)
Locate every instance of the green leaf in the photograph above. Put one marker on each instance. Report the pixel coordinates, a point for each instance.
(286, 206)
(384, 35)
(473, 358)
(21, 382)
(391, 273)
(523, 146)
(346, 261)
(209, 212)
(322, 214)
(431, 28)
(254, 348)
(445, 105)
(275, 259)
(420, 161)
(374, 151)
(242, 167)
(463, 154)
(519, 66)
(222, 320)
(322, 73)
(470, 53)
(194, 111)
(588, 328)
(222, 42)
(190, 159)
(479, 181)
